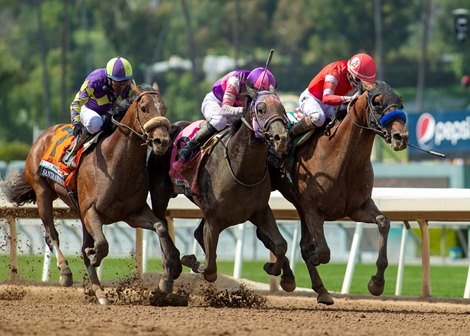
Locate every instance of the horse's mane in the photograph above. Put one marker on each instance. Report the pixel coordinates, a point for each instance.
(237, 124)
(119, 110)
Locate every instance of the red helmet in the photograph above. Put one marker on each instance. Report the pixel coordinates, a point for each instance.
(465, 81)
(363, 67)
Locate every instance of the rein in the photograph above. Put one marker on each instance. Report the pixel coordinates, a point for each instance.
(377, 125)
(232, 173)
(261, 133)
(144, 135)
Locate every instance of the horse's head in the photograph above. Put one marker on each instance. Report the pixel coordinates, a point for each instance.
(147, 118)
(269, 119)
(385, 115)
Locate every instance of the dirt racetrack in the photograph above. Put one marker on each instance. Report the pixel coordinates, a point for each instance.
(27, 309)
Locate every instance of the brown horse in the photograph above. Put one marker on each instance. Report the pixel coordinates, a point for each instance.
(333, 178)
(234, 185)
(112, 186)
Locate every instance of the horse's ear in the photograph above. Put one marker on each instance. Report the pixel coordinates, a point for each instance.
(135, 88)
(368, 86)
(155, 87)
(251, 92)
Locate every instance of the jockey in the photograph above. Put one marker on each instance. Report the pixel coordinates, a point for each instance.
(224, 104)
(331, 87)
(101, 89)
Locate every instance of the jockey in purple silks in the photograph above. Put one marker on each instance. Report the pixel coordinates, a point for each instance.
(224, 104)
(102, 89)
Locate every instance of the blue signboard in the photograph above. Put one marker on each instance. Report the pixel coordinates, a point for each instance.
(445, 132)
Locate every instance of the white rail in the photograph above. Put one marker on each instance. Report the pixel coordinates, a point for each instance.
(420, 205)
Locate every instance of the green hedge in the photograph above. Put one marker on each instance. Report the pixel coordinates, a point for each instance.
(14, 151)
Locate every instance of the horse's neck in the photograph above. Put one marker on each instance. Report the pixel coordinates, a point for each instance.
(124, 150)
(248, 155)
(350, 144)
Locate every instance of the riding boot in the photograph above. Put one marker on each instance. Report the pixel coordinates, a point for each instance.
(204, 133)
(303, 125)
(69, 158)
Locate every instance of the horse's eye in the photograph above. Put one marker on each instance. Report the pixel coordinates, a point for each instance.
(144, 108)
(376, 102)
(261, 108)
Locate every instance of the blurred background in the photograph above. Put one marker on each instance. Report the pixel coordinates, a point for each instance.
(422, 49)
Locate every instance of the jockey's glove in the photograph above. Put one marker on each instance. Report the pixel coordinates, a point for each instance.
(228, 111)
(77, 129)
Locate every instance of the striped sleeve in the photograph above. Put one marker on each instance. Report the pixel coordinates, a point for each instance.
(81, 98)
(231, 91)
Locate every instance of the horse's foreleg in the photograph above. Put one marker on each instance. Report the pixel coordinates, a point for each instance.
(93, 224)
(44, 203)
(191, 260)
(307, 250)
(211, 234)
(146, 219)
(96, 287)
(369, 213)
(268, 232)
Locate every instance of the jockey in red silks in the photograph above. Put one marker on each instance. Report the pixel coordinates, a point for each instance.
(102, 89)
(332, 87)
(224, 104)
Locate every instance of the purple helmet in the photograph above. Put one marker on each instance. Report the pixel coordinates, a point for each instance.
(119, 69)
(262, 79)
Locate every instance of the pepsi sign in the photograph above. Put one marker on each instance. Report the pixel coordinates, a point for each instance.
(445, 132)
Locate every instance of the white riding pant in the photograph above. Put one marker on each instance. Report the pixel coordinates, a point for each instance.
(210, 108)
(91, 120)
(315, 109)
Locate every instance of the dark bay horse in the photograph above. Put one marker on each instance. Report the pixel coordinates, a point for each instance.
(234, 185)
(333, 178)
(112, 186)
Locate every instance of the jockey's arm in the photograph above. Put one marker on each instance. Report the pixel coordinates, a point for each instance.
(329, 96)
(230, 95)
(81, 98)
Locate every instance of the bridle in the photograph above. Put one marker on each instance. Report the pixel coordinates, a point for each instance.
(377, 119)
(260, 130)
(144, 135)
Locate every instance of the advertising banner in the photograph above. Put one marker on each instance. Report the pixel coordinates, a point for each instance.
(445, 132)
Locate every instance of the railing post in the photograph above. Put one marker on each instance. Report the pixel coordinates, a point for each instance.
(13, 249)
(356, 243)
(426, 257)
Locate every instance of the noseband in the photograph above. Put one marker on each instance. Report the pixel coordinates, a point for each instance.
(377, 119)
(144, 135)
(261, 129)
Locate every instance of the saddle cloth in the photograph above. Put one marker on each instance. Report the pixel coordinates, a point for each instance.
(184, 174)
(51, 165)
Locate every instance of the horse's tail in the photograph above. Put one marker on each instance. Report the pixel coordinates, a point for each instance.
(18, 190)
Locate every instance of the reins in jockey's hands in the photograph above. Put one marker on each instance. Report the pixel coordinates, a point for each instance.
(77, 129)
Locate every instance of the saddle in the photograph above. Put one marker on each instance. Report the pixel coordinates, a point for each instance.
(52, 165)
(184, 173)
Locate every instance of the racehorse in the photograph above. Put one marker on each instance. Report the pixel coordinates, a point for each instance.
(112, 185)
(332, 178)
(234, 185)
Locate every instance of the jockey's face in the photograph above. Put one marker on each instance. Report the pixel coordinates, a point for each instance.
(119, 87)
(352, 80)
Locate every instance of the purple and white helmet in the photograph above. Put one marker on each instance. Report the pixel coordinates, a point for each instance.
(261, 79)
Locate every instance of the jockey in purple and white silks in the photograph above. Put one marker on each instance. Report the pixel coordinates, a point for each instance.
(224, 104)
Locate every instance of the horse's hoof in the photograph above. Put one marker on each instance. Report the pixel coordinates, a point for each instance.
(165, 285)
(269, 268)
(325, 298)
(188, 260)
(65, 277)
(288, 283)
(101, 297)
(374, 287)
(210, 277)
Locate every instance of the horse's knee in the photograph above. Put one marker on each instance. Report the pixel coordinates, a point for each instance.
(383, 223)
(161, 229)
(323, 255)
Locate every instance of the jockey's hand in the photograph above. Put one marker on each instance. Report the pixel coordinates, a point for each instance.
(77, 129)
